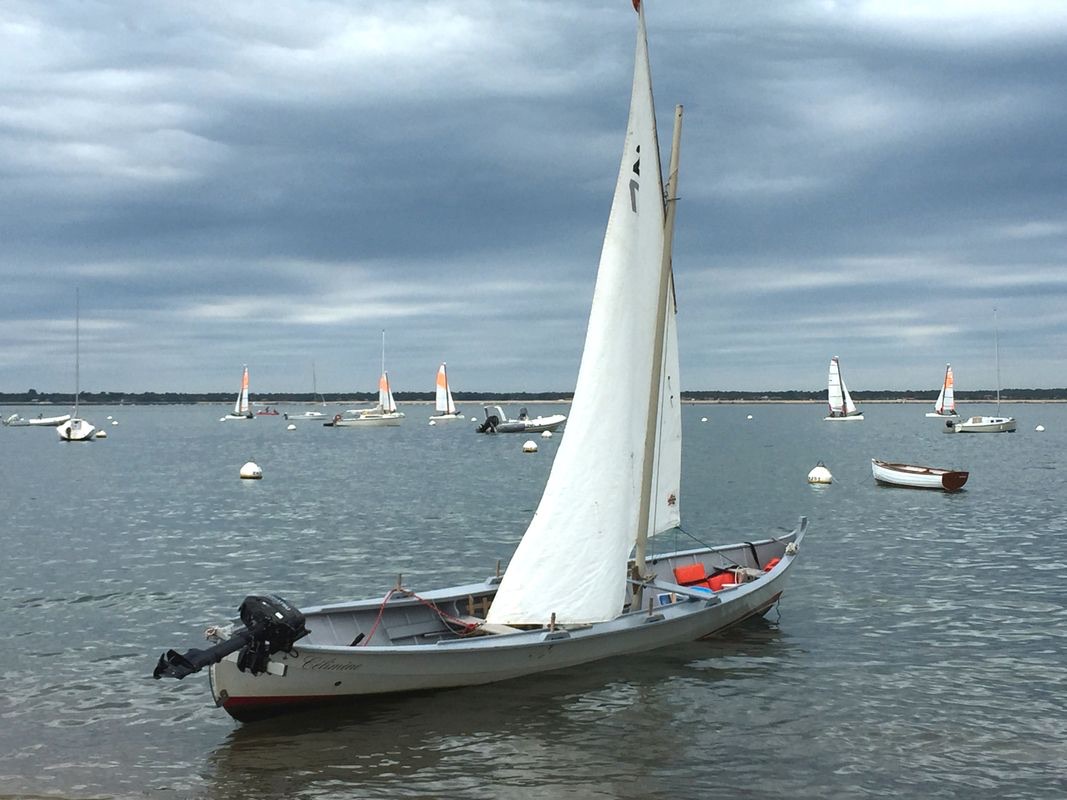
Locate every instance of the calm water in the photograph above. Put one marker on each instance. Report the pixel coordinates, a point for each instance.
(920, 650)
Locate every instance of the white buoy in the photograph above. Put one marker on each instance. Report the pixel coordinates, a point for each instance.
(820, 474)
(749, 417)
(290, 427)
(251, 471)
(703, 419)
(114, 422)
(100, 434)
(433, 422)
(546, 434)
(529, 446)
(1039, 428)
(110, 417)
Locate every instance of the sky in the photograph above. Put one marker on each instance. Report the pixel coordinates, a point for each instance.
(275, 184)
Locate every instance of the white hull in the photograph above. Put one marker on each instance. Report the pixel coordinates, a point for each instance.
(307, 415)
(15, 421)
(850, 418)
(981, 425)
(935, 415)
(367, 419)
(918, 477)
(76, 430)
(236, 417)
(446, 417)
(411, 649)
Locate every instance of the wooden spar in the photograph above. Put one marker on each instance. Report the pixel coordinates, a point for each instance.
(651, 428)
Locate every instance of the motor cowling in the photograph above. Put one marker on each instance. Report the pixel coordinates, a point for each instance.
(272, 625)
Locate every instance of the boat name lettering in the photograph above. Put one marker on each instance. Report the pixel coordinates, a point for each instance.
(328, 664)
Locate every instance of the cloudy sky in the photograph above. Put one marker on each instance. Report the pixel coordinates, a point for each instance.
(276, 183)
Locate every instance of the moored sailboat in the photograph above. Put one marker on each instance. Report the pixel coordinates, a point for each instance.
(945, 405)
(384, 414)
(986, 424)
(579, 587)
(838, 398)
(74, 428)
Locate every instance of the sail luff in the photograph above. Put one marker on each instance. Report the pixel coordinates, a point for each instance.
(443, 402)
(571, 561)
(835, 398)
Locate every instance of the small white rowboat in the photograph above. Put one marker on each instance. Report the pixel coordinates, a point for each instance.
(917, 477)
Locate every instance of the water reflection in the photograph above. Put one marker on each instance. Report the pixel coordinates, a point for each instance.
(592, 731)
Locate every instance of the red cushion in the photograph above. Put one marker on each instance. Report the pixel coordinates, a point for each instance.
(689, 574)
(771, 564)
(716, 582)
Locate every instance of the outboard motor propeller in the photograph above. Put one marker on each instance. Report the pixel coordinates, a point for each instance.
(272, 625)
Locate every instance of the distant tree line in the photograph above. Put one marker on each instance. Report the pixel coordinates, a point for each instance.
(712, 395)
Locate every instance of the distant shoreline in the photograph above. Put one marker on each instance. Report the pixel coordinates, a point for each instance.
(88, 399)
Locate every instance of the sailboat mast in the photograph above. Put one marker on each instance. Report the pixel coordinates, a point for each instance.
(996, 355)
(77, 349)
(644, 521)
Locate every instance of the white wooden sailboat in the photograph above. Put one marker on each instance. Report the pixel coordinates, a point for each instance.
(40, 421)
(384, 414)
(241, 407)
(840, 401)
(444, 405)
(945, 405)
(986, 424)
(76, 429)
(579, 587)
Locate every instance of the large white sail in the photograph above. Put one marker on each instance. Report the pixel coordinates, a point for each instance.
(444, 403)
(946, 398)
(240, 407)
(850, 407)
(572, 559)
(385, 394)
(834, 396)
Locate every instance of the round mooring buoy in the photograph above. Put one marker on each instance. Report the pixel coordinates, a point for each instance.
(100, 434)
(546, 434)
(251, 471)
(529, 447)
(820, 474)
(703, 419)
(749, 417)
(1039, 428)
(290, 427)
(433, 422)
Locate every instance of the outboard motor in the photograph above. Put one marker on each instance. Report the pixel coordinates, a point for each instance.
(489, 426)
(272, 626)
(524, 414)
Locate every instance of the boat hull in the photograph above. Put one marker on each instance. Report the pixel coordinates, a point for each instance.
(15, 421)
(76, 430)
(317, 672)
(534, 425)
(981, 425)
(446, 417)
(935, 415)
(912, 476)
(368, 421)
(843, 418)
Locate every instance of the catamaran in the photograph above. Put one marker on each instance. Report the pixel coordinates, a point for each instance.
(444, 405)
(581, 585)
(241, 408)
(945, 405)
(841, 405)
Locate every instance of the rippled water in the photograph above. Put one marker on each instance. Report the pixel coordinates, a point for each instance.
(919, 651)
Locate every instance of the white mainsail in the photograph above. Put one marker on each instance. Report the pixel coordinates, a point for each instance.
(444, 403)
(572, 559)
(240, 406)
(946, 398)
(840, 400)
(385, 395)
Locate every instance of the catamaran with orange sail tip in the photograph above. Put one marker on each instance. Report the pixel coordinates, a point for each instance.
(241, 407)
(444, 405)
(582, 585)
(945, 405)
